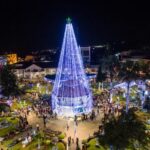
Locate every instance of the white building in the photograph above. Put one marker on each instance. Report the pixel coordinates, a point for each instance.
(34, 70)
(38, 70)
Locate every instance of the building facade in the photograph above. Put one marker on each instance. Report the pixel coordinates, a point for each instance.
(34, 70)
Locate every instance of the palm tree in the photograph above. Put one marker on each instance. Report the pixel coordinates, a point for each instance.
(129, 72)
(112, 63)
(100, 76)
(125, 131)
(144, 70)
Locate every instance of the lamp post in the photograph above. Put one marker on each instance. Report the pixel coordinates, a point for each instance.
(117, 102)
(143, 94)
(111, 95)
(39, 146)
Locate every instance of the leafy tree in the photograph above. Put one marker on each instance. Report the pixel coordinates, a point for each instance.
(111, 64)
(8, 81)
(145, 68)
(125, 131)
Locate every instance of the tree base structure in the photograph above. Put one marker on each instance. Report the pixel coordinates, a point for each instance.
(70, 110)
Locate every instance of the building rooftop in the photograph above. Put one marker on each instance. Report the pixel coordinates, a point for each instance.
(24, 65)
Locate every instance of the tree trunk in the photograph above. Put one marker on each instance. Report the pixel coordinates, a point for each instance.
(127, 96)
(111, 85)
(99, 84)
(111, 95)
(143, 94)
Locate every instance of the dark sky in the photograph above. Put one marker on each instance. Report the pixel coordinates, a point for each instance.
(35, 24)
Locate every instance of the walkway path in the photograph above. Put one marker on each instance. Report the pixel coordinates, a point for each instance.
(82, 131)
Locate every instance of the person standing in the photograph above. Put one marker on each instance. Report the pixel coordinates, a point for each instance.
(67, 126)
(69, 141)
(44, 119)
(77, 142)
(37, 127)
(75, 130)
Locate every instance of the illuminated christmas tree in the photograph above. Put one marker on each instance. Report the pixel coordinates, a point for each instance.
(71, 93)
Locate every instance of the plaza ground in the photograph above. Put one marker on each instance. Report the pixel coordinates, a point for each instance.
(83, 130)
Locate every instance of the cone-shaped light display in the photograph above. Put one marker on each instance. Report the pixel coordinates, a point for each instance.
(71, 93)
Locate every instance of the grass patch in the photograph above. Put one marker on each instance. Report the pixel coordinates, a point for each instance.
(92, 145)
(11, 127)
(61, 136)
(18, 105)
(60, 146)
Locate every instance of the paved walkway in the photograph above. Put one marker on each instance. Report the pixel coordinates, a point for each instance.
(82, 131)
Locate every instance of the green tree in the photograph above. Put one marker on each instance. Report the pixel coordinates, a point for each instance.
(8, 81)
(125, 131)
(111, 64)
(145, 68)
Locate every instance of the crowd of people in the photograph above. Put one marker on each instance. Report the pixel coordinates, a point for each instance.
(43, 110)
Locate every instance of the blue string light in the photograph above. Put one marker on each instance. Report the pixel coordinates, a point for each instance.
(71, 94)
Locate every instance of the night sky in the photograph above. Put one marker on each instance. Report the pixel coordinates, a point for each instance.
(34, 25)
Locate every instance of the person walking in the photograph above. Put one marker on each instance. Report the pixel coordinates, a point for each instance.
(77, 143)
(37, 127)
(75, 131)
(44, 119)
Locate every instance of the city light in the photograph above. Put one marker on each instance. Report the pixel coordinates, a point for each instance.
(71, 94)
